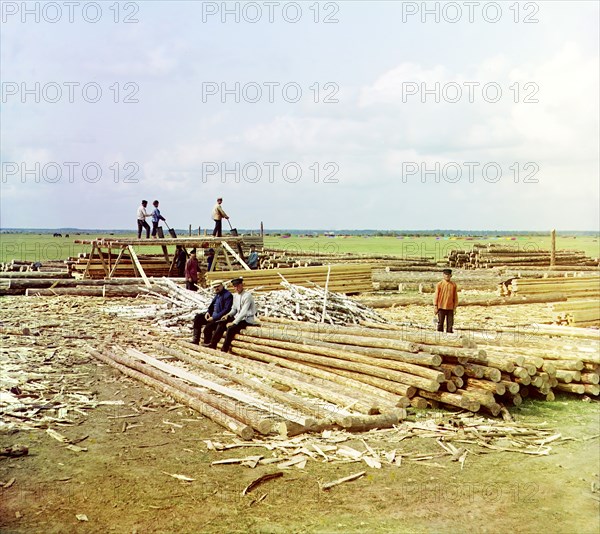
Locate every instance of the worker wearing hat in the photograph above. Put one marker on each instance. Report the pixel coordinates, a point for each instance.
(445, 301)
(219, 306)
(241, 315)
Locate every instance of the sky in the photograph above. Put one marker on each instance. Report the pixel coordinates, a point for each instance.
(305, 115)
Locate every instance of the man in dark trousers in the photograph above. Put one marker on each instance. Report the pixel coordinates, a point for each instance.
(241, 315)
(180, 260)
(220, 306)
(218, 214)
(142, 214)
(156, 218)
(445, 301)
(191, 272)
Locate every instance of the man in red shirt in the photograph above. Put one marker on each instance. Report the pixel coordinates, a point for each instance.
(191, 272)
(445, 301)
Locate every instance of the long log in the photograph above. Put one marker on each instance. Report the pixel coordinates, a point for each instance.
(376, 331)
(403, 390)
(348, 387)
(328, 394)
(417, 370)
(190, 353)
(230, 423)
(388, 374)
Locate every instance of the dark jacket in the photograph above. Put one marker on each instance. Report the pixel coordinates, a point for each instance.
(220, 305)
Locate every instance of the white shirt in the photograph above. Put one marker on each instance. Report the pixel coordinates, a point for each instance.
(141, 213)
(244, 308)
(218, 213)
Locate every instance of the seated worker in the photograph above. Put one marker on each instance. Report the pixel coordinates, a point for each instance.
(220, 305)
(252, 260)
(242, 314)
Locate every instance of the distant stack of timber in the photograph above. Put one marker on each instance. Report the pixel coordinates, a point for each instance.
(580, 286)
(425, 281)
(274, 258)
(340, 278)
(494, 255)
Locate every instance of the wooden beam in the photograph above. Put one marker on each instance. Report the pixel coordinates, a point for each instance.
(235, 255)
(138, 266)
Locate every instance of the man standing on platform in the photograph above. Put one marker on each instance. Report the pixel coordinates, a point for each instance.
(156, 218)
(445, 301)
(220, 305)
(191, 272)
(218, 214)
(241, 315)
(141, 220)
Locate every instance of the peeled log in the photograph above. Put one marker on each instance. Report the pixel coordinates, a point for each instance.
(235, 426)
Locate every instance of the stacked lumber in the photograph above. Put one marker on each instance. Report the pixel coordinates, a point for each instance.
(341, 278)
(578, 312)
(581, 286)
(494, 255)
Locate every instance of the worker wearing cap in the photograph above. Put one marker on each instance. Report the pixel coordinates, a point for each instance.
(241, 315)
(445, 301)
(218, 214)
(220, 306)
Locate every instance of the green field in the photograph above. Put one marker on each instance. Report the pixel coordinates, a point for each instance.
(44, 247)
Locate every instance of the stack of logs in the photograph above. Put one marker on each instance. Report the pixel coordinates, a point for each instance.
(578, 312)
(493, 255)
(341, 278)
(581, 286)
(31, 266)
(299, 376)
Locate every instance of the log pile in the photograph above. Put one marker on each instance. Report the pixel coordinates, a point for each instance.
(276, 258)
(154, 265)
(494, 255)
(340, 278)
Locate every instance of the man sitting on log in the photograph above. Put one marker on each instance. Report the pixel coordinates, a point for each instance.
(445, 301)
(220, 306)
(242, 314)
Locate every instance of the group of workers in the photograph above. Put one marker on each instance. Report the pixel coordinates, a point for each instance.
(226, 313)
(218, 214)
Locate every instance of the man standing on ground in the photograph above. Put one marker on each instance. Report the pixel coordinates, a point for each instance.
(218, 214)
(191, 272)
(445, 301)
(241, 315)
(220, 305)
(141, 220)
(180, 260)
(156, 218)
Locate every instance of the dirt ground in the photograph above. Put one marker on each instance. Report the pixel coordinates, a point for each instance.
(123, 482)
